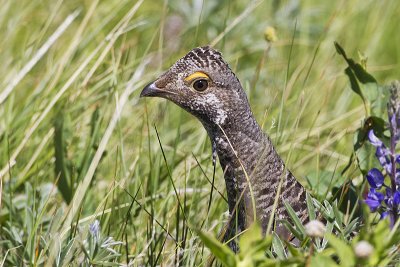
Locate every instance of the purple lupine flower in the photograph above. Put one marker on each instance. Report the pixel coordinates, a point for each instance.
(383, 155)
(392, 200)
(382, 152)
(382, 198)
(386, 214)
(396, 198)
(94, 230)
(397, 179)
(374, 199)
(394, 124)
(375, 141)
(375, 178)
(389, 214)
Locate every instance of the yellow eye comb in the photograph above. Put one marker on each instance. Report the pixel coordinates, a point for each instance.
(196, 75)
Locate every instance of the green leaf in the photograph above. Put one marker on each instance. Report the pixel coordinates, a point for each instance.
(91, 146)
(295, 219)
(326, 213)
(294, 251)
(322, 182)
(329, 230)
(338, 214)
(354, 83)
(253, 243)
(310, 207)
(253, 234)
(365, 85)
(322, 260)
(365, 156)
(343, 251)
(253, 246)
(364, 151)
(278, 247)
(362, 75)
(62, 164)
(351, 227)
(329, 209)
(381, 96)
(282, 263)
(381, 232)
(292, 229)
(270, 263)
(221, 251)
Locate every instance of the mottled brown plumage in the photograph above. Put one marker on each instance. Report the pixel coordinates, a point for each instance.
(203, 84)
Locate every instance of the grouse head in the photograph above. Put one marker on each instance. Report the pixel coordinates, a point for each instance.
(202, 83)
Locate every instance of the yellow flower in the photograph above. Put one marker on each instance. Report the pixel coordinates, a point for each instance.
(270, 34)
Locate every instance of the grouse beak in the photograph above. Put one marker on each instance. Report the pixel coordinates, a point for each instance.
(151, 90)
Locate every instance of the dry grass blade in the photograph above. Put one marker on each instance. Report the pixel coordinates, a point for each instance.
(132, 85)
(39, 54)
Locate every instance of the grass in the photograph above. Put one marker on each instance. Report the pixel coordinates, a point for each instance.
(77, 143)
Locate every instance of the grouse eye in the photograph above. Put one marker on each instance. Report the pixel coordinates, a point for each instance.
(200, 85)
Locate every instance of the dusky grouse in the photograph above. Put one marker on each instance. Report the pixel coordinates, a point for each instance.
(203, 84)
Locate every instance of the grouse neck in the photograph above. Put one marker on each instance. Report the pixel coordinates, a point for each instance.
(239, 145)
(237, 132)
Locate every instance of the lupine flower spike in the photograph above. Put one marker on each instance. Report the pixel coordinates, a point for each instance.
(385, 198)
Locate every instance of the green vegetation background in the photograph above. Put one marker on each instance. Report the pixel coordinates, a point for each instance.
(75, 118)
